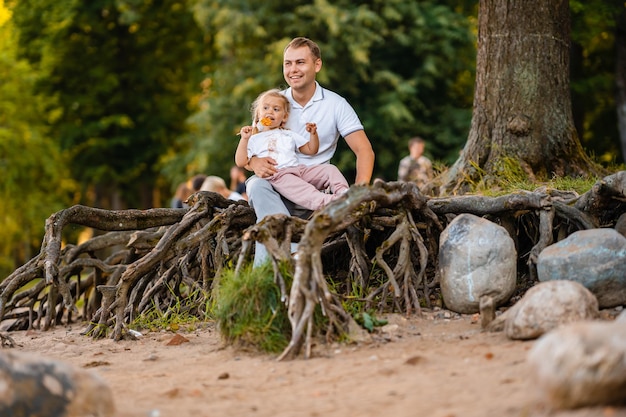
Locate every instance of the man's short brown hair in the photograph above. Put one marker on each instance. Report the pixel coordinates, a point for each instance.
(302, 41)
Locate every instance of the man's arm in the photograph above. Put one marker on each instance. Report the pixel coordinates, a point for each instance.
(362, 148)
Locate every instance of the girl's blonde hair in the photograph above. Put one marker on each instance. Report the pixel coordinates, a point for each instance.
(254, 109)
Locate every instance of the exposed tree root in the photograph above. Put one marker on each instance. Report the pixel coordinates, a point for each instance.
(377, 244)
(310, 286)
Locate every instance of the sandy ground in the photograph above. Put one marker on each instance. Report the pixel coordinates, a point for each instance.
(422, 366)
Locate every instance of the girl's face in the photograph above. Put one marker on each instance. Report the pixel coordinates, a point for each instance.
(273, 108)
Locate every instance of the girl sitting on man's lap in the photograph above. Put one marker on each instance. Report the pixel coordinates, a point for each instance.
(267, 137)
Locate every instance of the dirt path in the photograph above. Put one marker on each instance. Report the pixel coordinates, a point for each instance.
(428, 366)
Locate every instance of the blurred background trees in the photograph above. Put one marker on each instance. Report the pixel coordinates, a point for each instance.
(598, 76)
(35, 177)
(406, 67)
(120, 76)
(112, 103)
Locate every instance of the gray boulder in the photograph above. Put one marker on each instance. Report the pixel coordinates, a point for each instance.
(35, 386)
(476, 258)
(545, 307)
(595, 258)
(581, 364)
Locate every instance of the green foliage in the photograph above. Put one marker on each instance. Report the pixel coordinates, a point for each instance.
(117, 80)
(353, 303)
(368, 321)
(406, 67)
(35, 179)
(593, 63)
(249, 311)
(122, 75)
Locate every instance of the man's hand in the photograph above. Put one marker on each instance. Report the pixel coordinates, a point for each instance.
(262, 167)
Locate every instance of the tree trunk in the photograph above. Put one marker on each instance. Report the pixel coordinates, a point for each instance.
(522, 116)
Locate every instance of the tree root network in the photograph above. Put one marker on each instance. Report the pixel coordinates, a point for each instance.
(379, 242)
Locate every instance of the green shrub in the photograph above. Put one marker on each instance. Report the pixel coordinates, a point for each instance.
(249, 311)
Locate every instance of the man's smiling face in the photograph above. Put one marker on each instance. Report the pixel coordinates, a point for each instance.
(300, 67)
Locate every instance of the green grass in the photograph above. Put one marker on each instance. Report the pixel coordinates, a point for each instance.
(354, 304)
(249, 312)
(184, 314)
(511, 178)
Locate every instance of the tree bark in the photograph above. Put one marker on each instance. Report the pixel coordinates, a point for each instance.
(522, 117)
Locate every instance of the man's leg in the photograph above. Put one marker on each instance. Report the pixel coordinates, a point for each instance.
(265, 201)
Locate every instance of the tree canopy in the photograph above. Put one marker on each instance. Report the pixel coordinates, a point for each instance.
(406, 67)
(32, 166)
(121, 75)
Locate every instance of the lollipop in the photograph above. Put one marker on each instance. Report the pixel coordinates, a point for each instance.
(263, 123)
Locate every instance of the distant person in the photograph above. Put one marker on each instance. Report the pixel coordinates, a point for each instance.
(218, 185)
(196, 181)
(183, 191)
(267, 137)
(415, 167)
(238, 180)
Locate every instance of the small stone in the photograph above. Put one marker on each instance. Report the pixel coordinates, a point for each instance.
(177, 340)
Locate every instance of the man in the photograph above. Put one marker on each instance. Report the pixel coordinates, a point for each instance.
(302, 60)
(415, 167)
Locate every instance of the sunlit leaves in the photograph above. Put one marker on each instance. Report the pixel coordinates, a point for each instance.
(122, 73)
(400, 64)
(35, 180)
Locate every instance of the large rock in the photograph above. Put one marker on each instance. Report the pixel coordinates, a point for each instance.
(545, 307)
(581, 364)
(35, 386)
(476, 258)
(596, 258)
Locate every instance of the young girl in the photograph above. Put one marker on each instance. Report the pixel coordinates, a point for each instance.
(267, 137)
